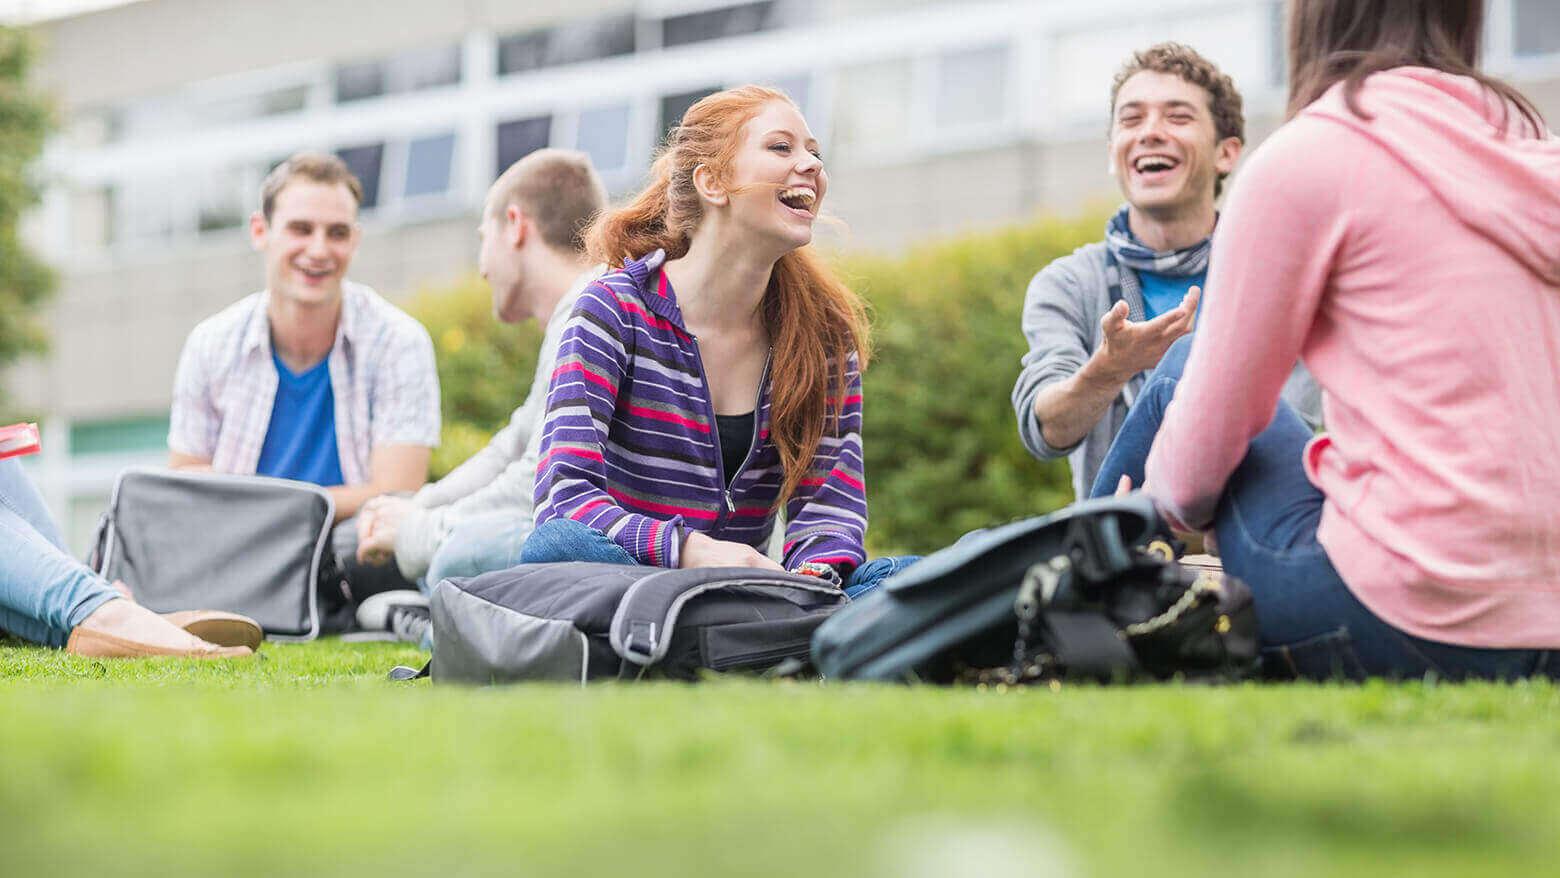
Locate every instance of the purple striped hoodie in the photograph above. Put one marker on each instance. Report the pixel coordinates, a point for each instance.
(629, 444)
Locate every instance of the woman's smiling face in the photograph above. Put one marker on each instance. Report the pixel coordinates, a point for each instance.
(777, 181)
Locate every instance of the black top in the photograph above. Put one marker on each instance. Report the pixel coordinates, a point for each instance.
(736, 437)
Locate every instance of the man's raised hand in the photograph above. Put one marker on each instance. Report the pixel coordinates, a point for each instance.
(1130, 348)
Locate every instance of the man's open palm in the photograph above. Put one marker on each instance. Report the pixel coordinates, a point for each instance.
(1130, 348)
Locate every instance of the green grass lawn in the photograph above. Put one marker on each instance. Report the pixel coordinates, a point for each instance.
(307, 761)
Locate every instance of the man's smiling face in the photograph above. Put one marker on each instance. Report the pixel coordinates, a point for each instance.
(1164, 148)
(308, 242)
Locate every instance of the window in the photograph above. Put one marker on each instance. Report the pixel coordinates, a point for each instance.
(148, 433)
(425, 68)
(1278, 49)
(224, 194)
(408, 71)
(971, 87)
(602, 134)
(715, 24)
(151, 209)
(354, 82)
(1535, 27)
(567, 44)
(519, 138)
(673, 106)
(428, 161)
(366, 162)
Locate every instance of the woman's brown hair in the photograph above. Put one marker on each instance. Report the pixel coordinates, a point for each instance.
(815, 322)
(1347, 40)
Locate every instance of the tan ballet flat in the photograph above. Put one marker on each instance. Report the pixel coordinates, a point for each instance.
(219, 627)
(96, 644)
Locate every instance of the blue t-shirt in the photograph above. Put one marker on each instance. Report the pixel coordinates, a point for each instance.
(1162, 292)
(300, 442)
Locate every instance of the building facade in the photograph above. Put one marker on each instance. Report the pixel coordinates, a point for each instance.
(935, 117)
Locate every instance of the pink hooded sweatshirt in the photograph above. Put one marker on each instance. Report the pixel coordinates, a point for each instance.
(1412, 260)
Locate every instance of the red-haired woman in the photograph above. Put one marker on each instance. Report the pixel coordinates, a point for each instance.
(713, 379)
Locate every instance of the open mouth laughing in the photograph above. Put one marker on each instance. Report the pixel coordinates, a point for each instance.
(1152, 168)
(799, 199)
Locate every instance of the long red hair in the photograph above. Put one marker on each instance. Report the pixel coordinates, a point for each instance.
(815, 322)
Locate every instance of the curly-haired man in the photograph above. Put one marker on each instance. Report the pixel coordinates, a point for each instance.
(1099, 319)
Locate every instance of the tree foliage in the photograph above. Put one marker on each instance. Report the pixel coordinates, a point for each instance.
(941, 440)
(25, 282)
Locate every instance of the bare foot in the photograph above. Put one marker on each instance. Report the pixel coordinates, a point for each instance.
(123, 589)
(128, 620)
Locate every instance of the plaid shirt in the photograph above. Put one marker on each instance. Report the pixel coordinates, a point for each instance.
(381, 375)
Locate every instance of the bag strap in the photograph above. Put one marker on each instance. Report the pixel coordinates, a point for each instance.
(642, 627)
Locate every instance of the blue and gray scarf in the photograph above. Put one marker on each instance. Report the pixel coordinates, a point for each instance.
(1123, 249)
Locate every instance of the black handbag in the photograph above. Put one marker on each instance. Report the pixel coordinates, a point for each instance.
(1091, 591)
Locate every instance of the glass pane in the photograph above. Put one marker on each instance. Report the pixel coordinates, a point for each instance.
(284, 100)
(603, 135)
(428, 165)
(523, 52)
(1537, 26)
(796, 87)
(223, 198)
(354, 82)
(147, 433)
(673, 107)
(365, 162)
(521, 137)
(714, 24)
(425, 68)
(971, 87)
(567, 44)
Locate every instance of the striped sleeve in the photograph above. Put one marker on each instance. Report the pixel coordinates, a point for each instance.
(828, 512)
(571, 477)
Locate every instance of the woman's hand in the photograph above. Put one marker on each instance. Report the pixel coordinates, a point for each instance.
(1206, 542)
(701, 550)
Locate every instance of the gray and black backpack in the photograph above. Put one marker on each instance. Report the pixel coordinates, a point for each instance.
(581, 621)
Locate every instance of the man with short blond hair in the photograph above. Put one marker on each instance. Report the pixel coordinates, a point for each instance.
(532, 253)
(312, 378)
(1098, 320)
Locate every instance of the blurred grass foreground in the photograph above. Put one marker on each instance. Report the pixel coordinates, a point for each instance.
(306, 760)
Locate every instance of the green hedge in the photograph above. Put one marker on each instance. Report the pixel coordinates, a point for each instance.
(943, 455)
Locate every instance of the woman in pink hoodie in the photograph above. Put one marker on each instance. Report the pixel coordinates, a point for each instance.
(1401, 235)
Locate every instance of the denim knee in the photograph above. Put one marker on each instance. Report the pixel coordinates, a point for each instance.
(563, 539)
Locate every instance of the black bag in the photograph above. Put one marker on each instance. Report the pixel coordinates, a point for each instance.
(246, 544)
(1090, 591)
(581, 621)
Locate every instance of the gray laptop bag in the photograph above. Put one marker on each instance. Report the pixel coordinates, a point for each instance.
(246, 544)
(581, 621)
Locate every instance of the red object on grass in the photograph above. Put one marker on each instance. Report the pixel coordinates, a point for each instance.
(18, 439)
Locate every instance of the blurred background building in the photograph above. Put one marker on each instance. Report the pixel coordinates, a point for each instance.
(935, 117)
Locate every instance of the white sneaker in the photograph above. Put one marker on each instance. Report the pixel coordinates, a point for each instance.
(396, 612)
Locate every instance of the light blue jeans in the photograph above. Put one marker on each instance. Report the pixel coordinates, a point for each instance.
(477, 546)
(44, 592)
(564, 540)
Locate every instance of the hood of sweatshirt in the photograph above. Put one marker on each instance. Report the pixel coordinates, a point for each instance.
(1478, 155)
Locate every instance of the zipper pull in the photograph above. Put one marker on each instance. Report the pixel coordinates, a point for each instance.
(730, 506)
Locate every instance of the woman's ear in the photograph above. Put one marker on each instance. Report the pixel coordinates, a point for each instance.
(708, 187)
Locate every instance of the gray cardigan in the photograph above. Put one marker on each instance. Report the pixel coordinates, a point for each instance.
(1061, 321)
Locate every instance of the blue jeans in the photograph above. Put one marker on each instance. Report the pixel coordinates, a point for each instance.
(476, 546)
(564, 540)
(44, 592)
(1310, 624)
